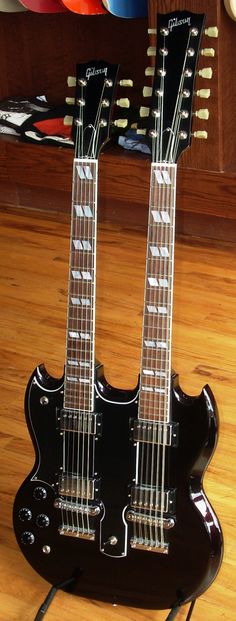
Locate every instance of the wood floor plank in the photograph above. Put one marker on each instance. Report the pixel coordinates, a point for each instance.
(33, 285)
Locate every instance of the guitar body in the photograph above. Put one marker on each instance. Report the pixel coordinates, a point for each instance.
(85, 7)
(108, 568)
(44, 6)
(122, 8)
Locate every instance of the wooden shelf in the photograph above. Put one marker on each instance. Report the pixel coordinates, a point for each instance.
(39, 51)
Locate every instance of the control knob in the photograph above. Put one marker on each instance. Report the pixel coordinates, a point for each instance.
(25, 514)
(42, 520)
(27, 538)
(40, 493)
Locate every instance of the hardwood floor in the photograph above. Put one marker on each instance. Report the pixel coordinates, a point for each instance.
(34, 257)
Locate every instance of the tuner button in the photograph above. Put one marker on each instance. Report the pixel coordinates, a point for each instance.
(70, 101)
(27, 538)
(68, 120)
(123, 102)
(143, 112)
(208, 51)
(152, 31)
(71, 80)
(121, 123)
(40, 493)
(147, 91)
(203, 113)
(142, 132)
(128, 83)
(200, 134)
(205, 73)
(42, 520)
(212, 31)
(25, 514)
(150, 71)
(151, 51)
(204, 93)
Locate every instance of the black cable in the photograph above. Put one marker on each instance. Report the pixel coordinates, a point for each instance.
(51, 594)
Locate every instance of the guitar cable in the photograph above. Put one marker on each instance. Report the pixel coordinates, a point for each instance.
(51, 594)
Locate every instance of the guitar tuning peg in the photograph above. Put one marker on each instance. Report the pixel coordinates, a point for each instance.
(143, 112)
(128, 83)
(142, 132)
(150, 71)
(202, 135)
(203, 113)
(208, 51)
(152, 31)
(123, 103)
(206, 73)
(147, 91)
(70, 101)
(71, 80)
(68, 120)
(203, 93)
(120, 123)
(151, 51)
(212, 31)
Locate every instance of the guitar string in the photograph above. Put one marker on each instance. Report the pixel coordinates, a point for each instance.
(173, 140)
(68, 418)
(90, 314)
(158, 235)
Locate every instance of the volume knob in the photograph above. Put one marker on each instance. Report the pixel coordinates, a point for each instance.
(25, 514)
(27, 538)
(40, 493)
(42, 520)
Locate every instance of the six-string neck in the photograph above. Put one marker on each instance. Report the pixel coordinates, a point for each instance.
(158, 299)
(80, 356)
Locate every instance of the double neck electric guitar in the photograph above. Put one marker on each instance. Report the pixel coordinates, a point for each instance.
(115, 498)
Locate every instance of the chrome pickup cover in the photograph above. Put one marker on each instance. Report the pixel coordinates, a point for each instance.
(80, 422)
(152, 498)
(165, 434)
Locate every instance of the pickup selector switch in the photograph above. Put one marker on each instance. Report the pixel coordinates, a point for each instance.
(25, 514)
(42, 520)
(39, 493)
(27, 538)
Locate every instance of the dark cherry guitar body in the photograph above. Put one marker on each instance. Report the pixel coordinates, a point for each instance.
(103, 570)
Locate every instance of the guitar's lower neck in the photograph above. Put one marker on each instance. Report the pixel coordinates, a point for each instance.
(154, 401)
(79, 372)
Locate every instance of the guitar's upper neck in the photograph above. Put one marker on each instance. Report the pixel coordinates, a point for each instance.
(157, 322)
(79, 372)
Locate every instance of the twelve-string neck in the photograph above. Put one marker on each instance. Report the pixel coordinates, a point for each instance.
(79, 372)
(178, 36)
(157, 321)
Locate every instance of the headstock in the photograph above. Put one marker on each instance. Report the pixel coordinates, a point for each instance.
(95, 84)
(170, 120)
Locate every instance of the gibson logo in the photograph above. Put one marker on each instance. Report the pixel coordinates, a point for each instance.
(91, 71)
(172, 23)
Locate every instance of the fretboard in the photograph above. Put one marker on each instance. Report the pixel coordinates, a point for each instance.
(79, 368)
(154, 402)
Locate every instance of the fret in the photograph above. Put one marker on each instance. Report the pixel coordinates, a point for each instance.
(157, 318)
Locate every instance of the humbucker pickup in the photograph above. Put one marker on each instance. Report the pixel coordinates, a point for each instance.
(165, 434)
(153, 499)
(80, 422)
(78, 487)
